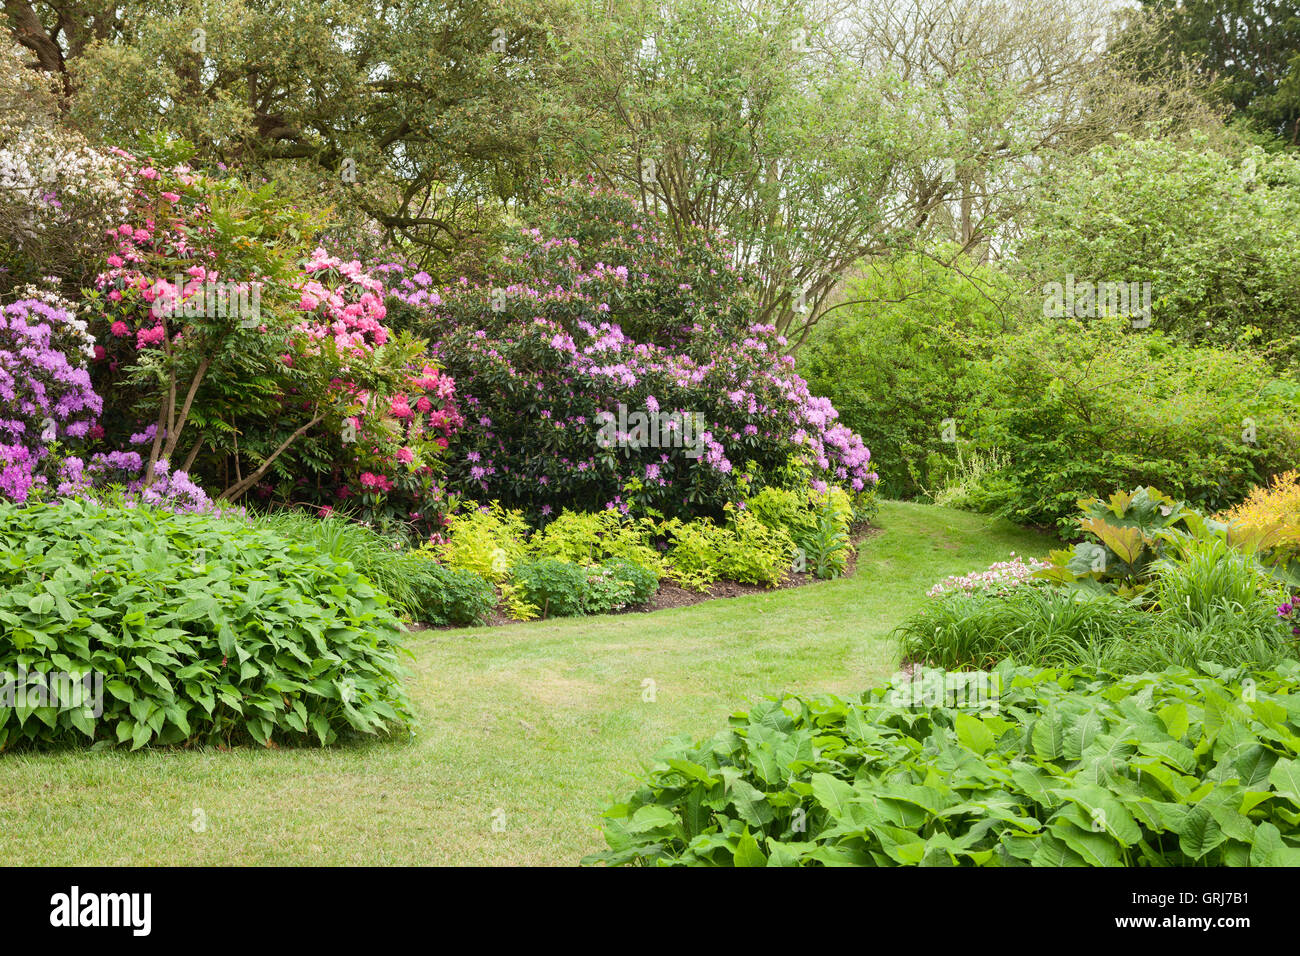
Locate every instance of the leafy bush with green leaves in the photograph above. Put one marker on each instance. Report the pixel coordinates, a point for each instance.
(443, 595)
(1216, 233)
(618, 584)
(1078, 409)
(204, 629)
(590, 537)
(1132, 531)
(817, 522)
(1045, 768)
(555, 588)
(744, 549)
(895, 359)
(487, 540)
(379, 558)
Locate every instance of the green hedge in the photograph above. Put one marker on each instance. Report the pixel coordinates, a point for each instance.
(1036, 767)
(204, 629)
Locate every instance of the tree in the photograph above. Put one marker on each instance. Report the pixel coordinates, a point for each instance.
(817, 134)
(420, 115)
(1248, 49)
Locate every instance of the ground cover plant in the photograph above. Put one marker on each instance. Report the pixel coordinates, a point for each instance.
(202, 629)
(1037, 767)
(1153, 583)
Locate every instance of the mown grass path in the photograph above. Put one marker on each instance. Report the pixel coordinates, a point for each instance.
(532, 728)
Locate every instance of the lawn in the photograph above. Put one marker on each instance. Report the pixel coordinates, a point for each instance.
(525, 733)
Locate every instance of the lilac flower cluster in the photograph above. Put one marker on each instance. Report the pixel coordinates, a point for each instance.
(1000, 577)
(617, 314)
(1289, 613)
(173, 490)
(44, 395)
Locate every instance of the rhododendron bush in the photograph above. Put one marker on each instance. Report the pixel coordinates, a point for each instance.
(263, 366)
(609, 366)
(45, 391)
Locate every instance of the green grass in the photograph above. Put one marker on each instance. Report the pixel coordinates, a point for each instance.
(543, 722)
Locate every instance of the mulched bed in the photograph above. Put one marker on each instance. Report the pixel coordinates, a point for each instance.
(670, 595)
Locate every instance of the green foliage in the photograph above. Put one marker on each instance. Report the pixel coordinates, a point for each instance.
(1207, 605)
(556, 588)
(444, 595)
(894, 360)
(381, 560)
(205, 629)
(1216, 234)
(487, 540)
(1080, 409)
(1245, 51)
(1132, 531)
(744, 549)
(817, 523)
(1018, 767)
(591, 537)
(617, 584)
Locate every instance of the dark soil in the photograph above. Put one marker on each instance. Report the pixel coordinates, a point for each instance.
(670, 595)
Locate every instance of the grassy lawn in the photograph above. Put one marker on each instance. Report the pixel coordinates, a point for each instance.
(534, 727)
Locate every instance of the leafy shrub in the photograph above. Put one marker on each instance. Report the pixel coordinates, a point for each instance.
(204, 629)
(617, 584)
(1174, 215)
(817, 522)
(257, 361)
(595, 318)
(59, 194)
(487, 541)
(744, 550)
(451, 596)
(555, 588)
(379, 559)
(1047, 768)
(1132, 530)
(896, 360)
(1077, 410)
(593, 536)
(1272, 512)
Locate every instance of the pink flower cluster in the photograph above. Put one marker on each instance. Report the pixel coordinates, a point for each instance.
(343, 301)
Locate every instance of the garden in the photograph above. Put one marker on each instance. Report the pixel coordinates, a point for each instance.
(686, 434)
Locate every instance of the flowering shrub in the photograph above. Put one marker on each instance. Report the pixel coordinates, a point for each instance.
(45, 390)
(612, 369)
(262, 367)
(392, 436)
(56, 192)
(1000, 578)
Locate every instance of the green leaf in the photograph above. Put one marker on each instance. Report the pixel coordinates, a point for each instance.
(973, 734)
(748, 852)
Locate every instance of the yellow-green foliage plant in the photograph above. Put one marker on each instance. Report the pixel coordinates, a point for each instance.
(487, 541)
